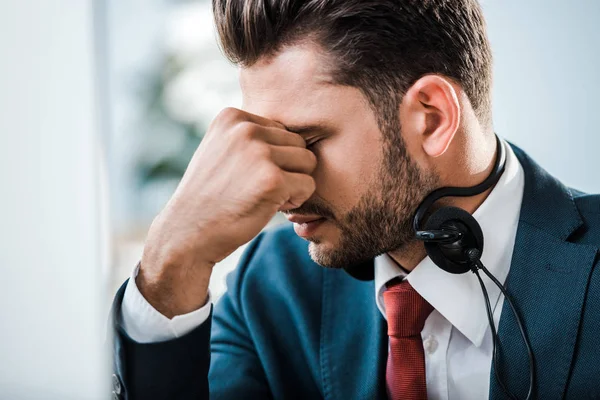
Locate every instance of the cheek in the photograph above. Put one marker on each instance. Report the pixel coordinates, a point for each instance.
(346, 170)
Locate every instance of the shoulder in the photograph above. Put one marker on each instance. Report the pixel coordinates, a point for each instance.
(587, 203)
(584, 368)
(280, 241)
(588, 206)
(279, 245)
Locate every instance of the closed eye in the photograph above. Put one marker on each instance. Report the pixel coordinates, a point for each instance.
(311, 145)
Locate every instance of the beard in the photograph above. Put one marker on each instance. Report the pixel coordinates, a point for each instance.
(381, 221)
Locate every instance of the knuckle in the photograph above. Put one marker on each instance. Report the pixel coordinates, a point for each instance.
(301, 142)
(312, 159)
(226, 122)
(260, 151)
(244, 130)
(297, 141)
(271, 180)
(228, 114)
(311, 185)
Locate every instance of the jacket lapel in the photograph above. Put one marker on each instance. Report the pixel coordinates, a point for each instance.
(547, 282)
(353, 350)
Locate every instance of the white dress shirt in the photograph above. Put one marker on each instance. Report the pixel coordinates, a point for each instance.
(456, 337)
(144, 324)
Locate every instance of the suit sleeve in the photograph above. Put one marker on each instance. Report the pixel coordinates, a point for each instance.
(216, 360)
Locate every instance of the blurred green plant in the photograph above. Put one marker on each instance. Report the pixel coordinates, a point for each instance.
(186, 84)
(168, 143)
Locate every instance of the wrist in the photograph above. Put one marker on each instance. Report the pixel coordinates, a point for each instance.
(174, 289)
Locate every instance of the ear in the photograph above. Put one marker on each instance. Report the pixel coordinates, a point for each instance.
(432, 113)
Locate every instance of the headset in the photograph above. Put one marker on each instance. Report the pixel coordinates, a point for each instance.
(453, 240)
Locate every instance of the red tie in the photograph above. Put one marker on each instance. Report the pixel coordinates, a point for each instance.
(406, 313)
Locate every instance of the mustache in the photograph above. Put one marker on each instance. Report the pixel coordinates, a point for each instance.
(312, 208)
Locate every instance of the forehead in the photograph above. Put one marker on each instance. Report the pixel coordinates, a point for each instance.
(294, 86)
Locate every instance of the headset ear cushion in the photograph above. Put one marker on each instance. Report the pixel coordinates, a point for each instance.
(446, 218)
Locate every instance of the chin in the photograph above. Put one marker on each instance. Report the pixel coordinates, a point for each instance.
(328, 255)
(321, 253)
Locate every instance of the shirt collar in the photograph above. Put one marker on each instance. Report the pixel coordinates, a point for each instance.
(458, 298)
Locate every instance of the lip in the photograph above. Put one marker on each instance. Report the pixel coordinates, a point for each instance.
(303, 219)
(308, 229)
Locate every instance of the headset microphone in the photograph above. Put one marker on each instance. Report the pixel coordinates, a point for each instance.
(440, 236)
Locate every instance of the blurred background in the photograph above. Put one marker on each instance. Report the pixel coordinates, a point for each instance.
(103, 103)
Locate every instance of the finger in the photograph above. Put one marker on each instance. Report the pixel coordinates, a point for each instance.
(293, 159)
(299, 188)
(271, 131)
(257, 119)
(281, 137)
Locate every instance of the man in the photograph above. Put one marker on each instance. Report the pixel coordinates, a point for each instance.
(353, 112)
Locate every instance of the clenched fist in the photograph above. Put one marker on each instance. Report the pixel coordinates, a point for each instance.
(245, 170)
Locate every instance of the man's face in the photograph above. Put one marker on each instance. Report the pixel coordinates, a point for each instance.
(367, 187)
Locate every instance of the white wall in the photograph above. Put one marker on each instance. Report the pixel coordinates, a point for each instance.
(51, 277)
(547, 78)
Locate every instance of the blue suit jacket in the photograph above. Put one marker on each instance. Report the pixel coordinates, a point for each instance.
(288, 328)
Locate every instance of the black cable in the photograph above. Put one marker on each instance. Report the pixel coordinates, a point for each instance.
(492, 179)
(494, 337)
(474, 256)
(480, 265)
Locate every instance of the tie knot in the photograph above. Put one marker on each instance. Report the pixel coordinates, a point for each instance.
(405, 309)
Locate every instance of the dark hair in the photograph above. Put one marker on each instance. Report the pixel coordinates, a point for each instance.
(379, 46)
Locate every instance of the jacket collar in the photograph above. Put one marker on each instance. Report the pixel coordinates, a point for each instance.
(547, 203)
